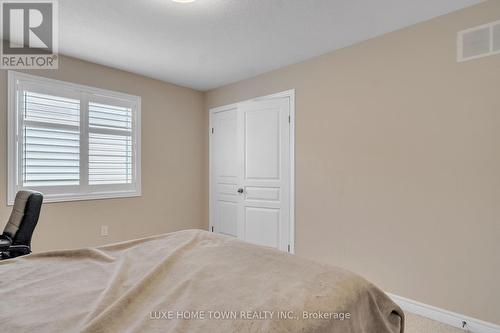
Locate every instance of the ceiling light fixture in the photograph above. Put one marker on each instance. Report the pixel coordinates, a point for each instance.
(184, 1)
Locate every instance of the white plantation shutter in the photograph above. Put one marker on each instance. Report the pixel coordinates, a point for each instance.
(72, 142)
(51, 140)
(110, 144)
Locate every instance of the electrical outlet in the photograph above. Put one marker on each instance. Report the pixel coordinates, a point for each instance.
(104, 230)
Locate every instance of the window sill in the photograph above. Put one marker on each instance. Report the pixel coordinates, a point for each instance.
(48, 198)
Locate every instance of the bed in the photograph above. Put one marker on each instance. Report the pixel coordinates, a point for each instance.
(187, 281)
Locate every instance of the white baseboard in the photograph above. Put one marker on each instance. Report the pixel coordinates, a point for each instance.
(445, 316)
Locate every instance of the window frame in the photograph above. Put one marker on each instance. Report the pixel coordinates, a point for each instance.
(85, 94)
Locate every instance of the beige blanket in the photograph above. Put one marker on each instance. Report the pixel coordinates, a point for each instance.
(188, 281)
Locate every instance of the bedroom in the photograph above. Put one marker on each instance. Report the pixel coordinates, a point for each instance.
(391, 162)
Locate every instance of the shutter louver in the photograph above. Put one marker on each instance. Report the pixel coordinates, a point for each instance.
(110, 144)
(51, 139)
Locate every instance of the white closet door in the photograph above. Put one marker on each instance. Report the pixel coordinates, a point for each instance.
(251, 178)
(264, 210)
(226, 172)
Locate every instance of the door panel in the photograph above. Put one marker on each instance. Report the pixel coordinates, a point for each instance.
(226, 144)
(250, 172)
(262, 193)
(262, 143)
(228, 215)
(262, 226)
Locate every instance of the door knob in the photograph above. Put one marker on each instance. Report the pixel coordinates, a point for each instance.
(240, 190)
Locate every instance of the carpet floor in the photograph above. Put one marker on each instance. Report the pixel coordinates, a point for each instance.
(418, 324)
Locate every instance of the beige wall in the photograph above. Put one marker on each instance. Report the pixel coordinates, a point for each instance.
(172, 165)
(398, 162)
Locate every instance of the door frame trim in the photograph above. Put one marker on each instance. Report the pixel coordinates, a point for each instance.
(290, 94)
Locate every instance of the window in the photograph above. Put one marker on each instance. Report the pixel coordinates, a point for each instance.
(72, 142)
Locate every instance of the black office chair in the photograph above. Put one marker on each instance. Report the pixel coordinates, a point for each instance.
(16, 238)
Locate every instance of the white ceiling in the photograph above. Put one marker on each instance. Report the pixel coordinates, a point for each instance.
(210, 43)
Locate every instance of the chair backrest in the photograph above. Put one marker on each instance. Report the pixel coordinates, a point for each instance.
(24, 217)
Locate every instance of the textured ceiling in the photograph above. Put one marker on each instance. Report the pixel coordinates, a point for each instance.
(210, 43)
